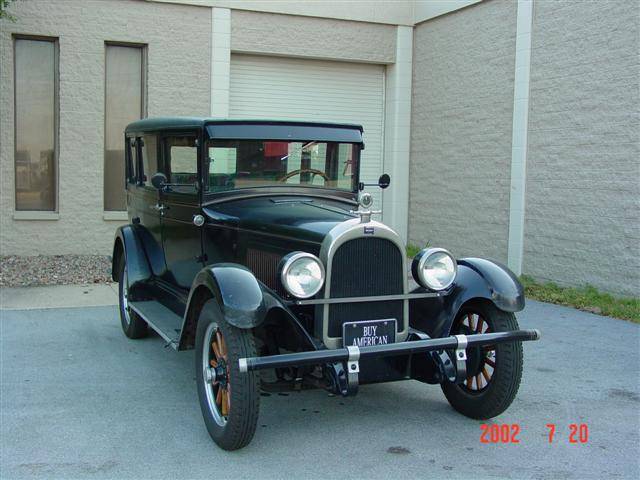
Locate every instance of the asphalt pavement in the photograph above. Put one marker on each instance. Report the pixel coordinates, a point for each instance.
(80, 400)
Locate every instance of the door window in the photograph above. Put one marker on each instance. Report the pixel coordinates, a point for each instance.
(181, 163)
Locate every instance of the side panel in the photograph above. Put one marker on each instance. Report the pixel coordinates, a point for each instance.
(477, 278)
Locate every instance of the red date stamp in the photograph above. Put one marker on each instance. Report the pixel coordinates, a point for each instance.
(499, 433)
(509, 432)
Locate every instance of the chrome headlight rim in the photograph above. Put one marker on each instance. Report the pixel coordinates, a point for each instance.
(419, 261)
(286, 264)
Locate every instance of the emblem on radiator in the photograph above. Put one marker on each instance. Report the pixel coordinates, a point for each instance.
(369, 230)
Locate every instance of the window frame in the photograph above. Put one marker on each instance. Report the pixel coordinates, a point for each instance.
(142, 145)
(143, 114)
(303, 189)
(56, 120)
(164, 165)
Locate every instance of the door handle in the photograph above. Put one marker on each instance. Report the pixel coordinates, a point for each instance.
(158, 207)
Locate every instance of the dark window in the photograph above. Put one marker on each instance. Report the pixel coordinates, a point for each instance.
(131, 157)
(124, 103)
(149, 158)
(35, 124)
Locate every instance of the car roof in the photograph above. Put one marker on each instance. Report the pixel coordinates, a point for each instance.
(171, 123)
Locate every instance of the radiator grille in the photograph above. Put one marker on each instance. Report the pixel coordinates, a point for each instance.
(264, 266)
(366, 267)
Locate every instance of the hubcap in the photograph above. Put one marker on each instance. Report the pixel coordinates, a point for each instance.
(481, 361)
(215, 370)
(125, 298)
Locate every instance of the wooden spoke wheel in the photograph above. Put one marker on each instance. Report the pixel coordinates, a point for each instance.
(217, 375)
(229, 399)
(481, 361)
(493, 371)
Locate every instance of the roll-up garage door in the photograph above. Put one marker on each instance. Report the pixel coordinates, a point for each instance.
(314, 90)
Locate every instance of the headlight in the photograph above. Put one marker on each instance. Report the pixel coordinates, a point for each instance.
(434, 268)
(302, 274)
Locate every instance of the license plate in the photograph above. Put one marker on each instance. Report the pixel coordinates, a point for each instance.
(370, 332)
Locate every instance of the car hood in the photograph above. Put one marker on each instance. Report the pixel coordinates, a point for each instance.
(301, 218)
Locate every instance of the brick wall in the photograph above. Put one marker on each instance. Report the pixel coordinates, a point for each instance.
(582, 222)
(463, 77)
(179, 57)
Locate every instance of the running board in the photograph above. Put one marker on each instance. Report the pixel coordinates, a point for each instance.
(166, 323)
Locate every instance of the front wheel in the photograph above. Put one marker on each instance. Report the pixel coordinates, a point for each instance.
(229, 400)
(494, 371)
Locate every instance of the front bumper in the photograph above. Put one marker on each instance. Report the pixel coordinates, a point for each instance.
(353, 354)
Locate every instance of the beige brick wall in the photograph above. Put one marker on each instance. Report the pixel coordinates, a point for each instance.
(296, 36)
(462, 110)
(179, 54)
(582, 221)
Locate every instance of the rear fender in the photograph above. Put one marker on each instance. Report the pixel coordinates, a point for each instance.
(477, 279)
(128, 245)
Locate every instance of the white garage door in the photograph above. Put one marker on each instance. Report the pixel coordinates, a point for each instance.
(287, 88)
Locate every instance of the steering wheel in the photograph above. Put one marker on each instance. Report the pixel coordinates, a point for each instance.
(300, 171)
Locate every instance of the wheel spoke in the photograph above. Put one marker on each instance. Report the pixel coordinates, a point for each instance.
(479, 381)
(471, 324)
(216, 350)
(223, 350)
(479, 326)
(224, 404)
(485, 374)
(488, 361)
(219, 396)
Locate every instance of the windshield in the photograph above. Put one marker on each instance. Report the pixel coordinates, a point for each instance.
(234, 164)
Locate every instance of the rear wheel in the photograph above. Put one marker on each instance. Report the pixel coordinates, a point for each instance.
(229, 400)
(493, 372)
(132, 324)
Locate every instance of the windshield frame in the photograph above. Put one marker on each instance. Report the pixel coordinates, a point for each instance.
(284, 188)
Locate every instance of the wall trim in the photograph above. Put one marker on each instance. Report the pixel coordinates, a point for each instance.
(397, 133)
(35, 215)
(519, 135)
(220, 61)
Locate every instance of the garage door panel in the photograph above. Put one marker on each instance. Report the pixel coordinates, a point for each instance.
(286, 88)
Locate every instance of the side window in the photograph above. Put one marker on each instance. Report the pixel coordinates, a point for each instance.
(131, 157)
(181, 162)
(149, 149)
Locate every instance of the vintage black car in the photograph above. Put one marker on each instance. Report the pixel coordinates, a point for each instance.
(253, 242)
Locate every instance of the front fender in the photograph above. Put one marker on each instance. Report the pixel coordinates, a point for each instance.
(477, 278)
(244, 301)
(237, 291)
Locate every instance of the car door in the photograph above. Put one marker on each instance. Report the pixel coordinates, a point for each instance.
(145, 198)
(181, 238)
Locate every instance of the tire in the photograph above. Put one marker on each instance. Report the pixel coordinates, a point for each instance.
(132, 324)
(232, 426)
(491, 396)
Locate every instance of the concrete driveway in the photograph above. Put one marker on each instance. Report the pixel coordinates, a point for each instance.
(80, 400)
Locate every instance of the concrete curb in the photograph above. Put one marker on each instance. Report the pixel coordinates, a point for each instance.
(58, 296)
